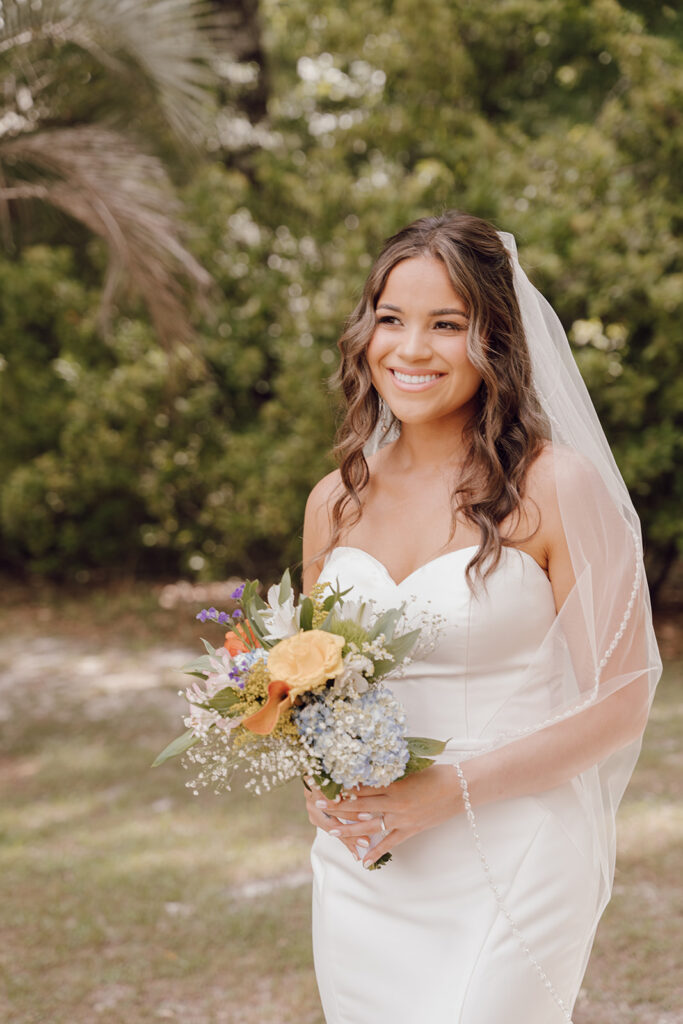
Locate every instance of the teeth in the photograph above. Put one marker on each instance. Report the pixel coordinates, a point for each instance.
(414, 378)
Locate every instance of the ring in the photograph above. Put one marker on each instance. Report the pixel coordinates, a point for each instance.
(385, 830)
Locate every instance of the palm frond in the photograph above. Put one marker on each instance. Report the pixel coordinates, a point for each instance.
(102, 179)
(169, 41)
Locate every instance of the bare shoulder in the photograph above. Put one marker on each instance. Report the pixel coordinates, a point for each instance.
(318, 524)
(322, 498)
(558, 469)
(555, 468)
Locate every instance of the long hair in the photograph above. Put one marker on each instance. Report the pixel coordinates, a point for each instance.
(508, 428)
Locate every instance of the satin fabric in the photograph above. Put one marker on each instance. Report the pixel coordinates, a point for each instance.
(423, 938)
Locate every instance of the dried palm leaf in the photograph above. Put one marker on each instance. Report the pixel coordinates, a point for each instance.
(102, 179)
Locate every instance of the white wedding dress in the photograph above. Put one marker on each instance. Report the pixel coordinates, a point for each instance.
(423, 939)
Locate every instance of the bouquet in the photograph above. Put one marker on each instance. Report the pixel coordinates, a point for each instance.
(296, 690)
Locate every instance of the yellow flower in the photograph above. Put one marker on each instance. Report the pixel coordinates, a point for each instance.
(306, 660)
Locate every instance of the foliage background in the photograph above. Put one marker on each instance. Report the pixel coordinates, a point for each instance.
(128, 451)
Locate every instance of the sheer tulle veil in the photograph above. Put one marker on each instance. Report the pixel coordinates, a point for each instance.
(602, 640)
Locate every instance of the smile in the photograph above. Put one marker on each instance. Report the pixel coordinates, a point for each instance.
(415, 378)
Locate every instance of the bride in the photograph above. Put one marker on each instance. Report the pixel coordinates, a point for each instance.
(475, 483)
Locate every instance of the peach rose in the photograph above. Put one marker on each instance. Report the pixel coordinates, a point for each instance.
(306, 660)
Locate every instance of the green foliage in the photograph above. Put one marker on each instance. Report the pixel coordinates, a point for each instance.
(558, 120)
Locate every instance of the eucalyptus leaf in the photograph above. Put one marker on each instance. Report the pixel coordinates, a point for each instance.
(400, 648)
(177, 746)
(306, 616)
(285, 587)
(386, 623)
(417, 764)
(329, 788)
(423, 746)
(198, 666)
(224, 699)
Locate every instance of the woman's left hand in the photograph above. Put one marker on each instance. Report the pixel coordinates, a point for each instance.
(408, 806)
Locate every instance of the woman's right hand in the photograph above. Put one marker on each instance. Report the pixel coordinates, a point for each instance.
(328, 823)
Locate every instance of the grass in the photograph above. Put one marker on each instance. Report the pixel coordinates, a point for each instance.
(125, 899)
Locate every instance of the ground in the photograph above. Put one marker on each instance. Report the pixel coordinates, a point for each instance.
(126, 899)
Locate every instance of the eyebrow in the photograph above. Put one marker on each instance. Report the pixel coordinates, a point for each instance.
(433, 312)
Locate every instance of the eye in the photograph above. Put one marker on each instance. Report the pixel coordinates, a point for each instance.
(450, 325)
(387, 319)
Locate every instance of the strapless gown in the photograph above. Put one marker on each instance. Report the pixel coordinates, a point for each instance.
(423, 939)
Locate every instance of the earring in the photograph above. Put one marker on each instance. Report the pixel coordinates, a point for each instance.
(386, 417)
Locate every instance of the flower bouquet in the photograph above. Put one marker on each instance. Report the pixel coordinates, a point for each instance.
(296, 691)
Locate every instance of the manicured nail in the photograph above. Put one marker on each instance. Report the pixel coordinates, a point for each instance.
(334, 832)
(363, 842)
(321, 803)
(363, 816)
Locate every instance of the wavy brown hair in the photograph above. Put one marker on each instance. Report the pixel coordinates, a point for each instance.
(508, 428)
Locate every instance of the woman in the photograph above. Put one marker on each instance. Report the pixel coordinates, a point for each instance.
(493, 500)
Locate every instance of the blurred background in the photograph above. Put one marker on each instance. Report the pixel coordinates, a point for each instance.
(191, 195)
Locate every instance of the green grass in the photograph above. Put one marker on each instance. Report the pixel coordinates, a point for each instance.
(125, 899)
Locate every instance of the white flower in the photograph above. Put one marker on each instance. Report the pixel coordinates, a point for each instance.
(348, 683)
(362, 612)
(280, 620)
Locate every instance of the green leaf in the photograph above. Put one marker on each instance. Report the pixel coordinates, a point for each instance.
(224, 699)
(423, 746)
(285, 587)
(380, 862)
(400, 648)
(417, 764)
(177, 746)
(200, 666)
(209, 649)
(306, 616)
(386, 623)
(329, 788)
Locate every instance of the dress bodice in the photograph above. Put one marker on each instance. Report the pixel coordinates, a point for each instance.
(488, 671)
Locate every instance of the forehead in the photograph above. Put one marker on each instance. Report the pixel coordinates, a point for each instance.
(421, 282)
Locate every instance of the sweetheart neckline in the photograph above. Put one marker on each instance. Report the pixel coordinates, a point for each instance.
(431, 561)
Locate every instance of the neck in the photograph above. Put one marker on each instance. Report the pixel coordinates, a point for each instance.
(431, 446)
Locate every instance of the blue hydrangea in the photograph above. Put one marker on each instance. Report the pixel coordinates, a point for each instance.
(359, 741)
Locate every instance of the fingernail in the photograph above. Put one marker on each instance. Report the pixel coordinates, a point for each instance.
(363, 816)
(321, 803)
(334, 832)
(363, 843)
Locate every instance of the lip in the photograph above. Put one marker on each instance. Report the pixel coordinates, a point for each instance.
(403, 385)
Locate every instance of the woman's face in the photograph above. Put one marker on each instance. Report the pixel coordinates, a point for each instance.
(418, 352)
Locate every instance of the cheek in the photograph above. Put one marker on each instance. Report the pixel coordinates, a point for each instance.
(374, 353)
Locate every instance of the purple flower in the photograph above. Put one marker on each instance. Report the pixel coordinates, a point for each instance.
(237, 592)
(212, 615)
(237, 614)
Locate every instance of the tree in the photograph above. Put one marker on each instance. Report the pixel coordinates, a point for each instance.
(73, 70)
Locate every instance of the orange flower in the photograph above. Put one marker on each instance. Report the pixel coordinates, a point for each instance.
(265, 719)
(235, 639)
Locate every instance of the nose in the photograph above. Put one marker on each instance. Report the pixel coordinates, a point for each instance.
(414, 343)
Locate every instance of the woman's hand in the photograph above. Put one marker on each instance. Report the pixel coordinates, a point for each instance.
(407, 807)
(323, 814)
